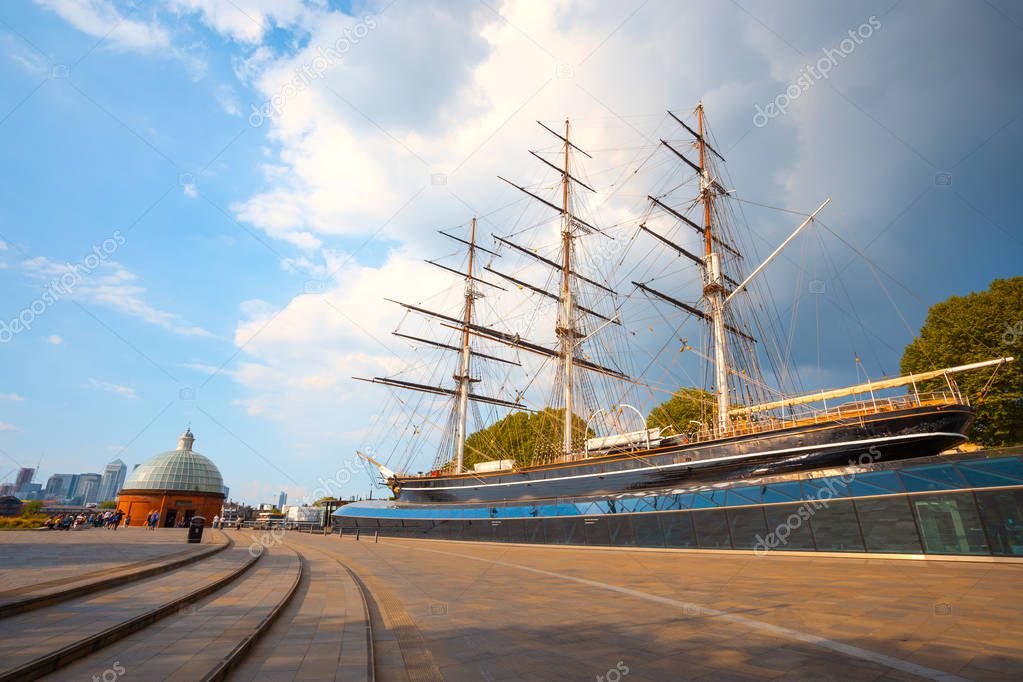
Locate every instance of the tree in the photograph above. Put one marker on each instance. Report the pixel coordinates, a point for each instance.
(31, 508)
(981, 326)
(521, 436)
(109, 504)
(686, 406)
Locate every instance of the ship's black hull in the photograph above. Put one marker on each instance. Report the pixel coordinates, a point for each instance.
(902, 434)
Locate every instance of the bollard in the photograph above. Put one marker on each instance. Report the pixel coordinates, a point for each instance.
(340, 532)
(376, 536)
(358, 532)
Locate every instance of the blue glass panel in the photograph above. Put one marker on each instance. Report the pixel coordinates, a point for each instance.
(549, 509)
(1002, 511)
(950, 523)
(647, 529)
(646, 504)
(836, 528)
(787, 530)
(678, 530)
(534, 531)
(941, 477)
(995, 472)
(748, 526)
(783, 492)
(825, 488)
(592, 508)
(917, 484)
(712, 529)
(747, 495)
(885, 481)
(683, 501)
(629, 505)
(888, 525)
(660, 501)
(703, 501)
(565, 509)
(858, 488)
(595, 530)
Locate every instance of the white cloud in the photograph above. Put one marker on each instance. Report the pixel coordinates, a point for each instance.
(4, 426)
(205, 369)
(245, 21)
(118, 389)
(101, 19)
(11, 397)
(30, 60)
(227, 98)
(54, 340)
(190, 190)
(433, 89)
(113, 286)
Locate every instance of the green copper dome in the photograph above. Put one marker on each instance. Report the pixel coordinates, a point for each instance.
(180, 470)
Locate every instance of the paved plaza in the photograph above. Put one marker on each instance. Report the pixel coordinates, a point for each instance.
(314, 607)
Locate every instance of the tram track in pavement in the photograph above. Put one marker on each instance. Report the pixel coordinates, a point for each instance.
(59, 634)
(399, 650)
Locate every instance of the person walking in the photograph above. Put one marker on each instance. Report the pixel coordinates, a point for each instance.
(216, 520)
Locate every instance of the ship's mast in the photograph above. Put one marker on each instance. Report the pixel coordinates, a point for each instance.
(713, 288)
(566, 314)
(463, 379)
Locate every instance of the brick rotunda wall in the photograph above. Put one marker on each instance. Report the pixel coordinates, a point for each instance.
(139, 503)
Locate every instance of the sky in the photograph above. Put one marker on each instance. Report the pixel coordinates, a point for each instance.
(205, 201)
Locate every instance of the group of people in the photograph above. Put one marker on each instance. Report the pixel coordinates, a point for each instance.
(220, 522)
(107, 519)
(111, 519)
(153, 519)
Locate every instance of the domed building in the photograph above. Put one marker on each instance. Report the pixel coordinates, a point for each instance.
(179, 484)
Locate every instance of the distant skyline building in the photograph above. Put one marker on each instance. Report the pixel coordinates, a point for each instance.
(88, 488)
(25, 476)
(72, 488)
(59, 486)
(282, 500)
(30, 491)
(113, 479)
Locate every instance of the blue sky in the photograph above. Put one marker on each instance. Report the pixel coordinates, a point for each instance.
(243, 288)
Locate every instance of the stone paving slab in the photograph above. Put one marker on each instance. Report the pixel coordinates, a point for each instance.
(515, 612)
(28, 636)
(45, 593)
(192, 643)
(36, 557)
(321, 635)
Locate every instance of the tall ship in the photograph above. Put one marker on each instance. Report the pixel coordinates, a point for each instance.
(547, 338)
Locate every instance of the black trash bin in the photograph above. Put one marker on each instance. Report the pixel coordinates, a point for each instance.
(195, 527)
